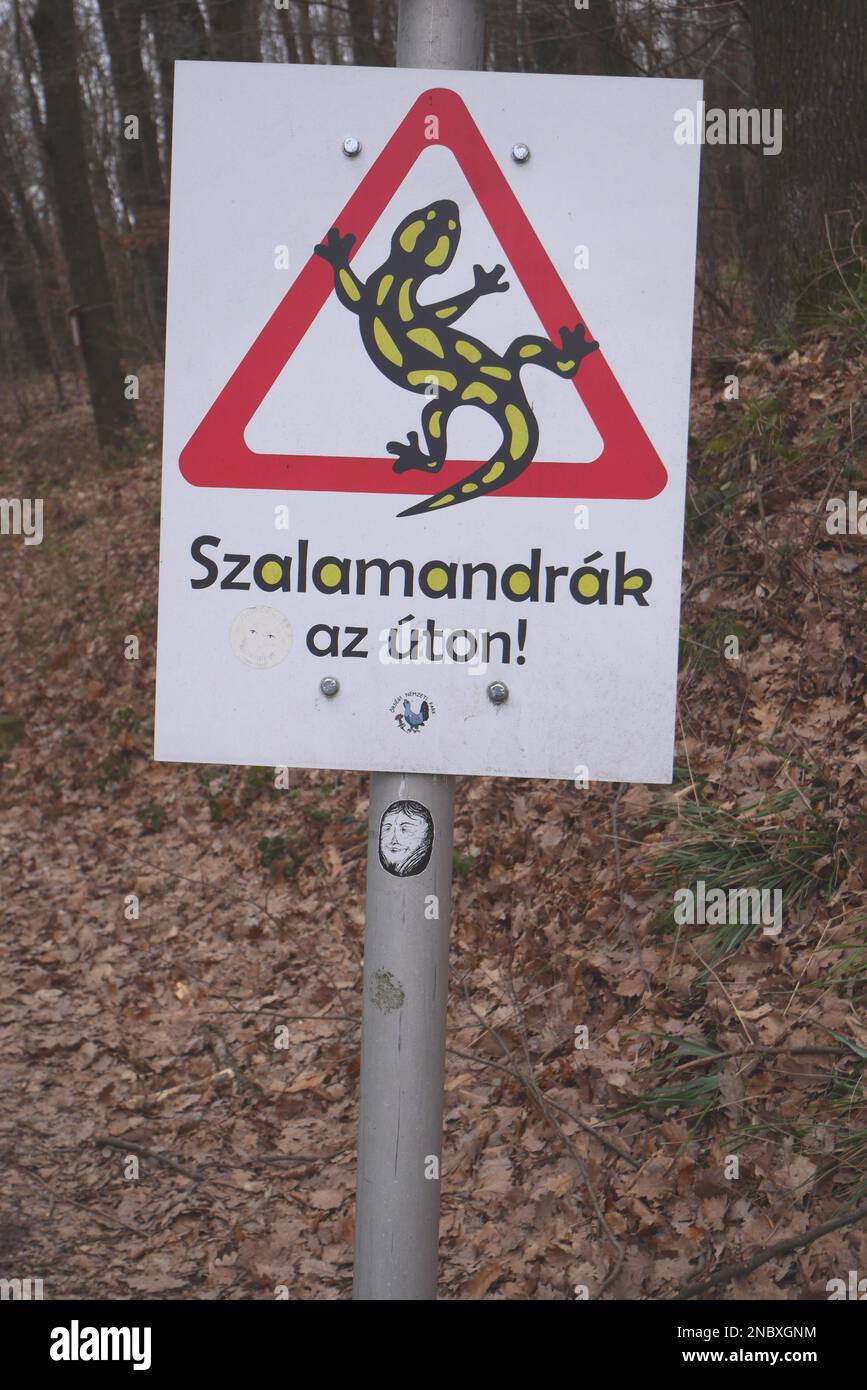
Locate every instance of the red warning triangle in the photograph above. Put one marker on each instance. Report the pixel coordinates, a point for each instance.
(217, 454)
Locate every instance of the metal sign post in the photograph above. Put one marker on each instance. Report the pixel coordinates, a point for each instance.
(406, 952)
(407, 918)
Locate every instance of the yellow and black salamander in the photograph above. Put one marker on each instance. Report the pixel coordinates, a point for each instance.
(416, 347)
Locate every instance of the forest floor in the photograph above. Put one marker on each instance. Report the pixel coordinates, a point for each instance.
(159, 1142)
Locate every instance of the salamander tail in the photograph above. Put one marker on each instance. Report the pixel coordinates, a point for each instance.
(487, 478)
(520, 440)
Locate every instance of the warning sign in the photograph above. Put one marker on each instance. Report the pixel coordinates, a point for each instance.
(426, 413)
(424, 246)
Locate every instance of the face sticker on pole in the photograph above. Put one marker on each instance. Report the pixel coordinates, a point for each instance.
(406, 839)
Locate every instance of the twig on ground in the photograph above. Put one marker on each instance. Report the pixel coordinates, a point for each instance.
(206, 887)
(303, 1158)
(756, 1050)
(166, 1160)
(782, 1247)
(290, 1018)
(82, 1206)
(734, 1008)
(189, 1085)
(576, 1119)
(220, 1048)
(530, 1085)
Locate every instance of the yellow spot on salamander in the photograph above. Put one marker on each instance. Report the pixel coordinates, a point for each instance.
(502, 372)
(520, 432)
(405, 308)
(349, 285)
(433, 424)
(445, 379)
(452, 225)
(386, 344)
(565, 366)
(410, 235)
(385, 285)
(431, 215)
(467, 350)
(531, 350)
(470, 487)
(447, 313)
(427, 340)
(442, 501)
(439, 253)
(494, 472)
(478, 391)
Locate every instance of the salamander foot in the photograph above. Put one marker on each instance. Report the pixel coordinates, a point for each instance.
(410, 455)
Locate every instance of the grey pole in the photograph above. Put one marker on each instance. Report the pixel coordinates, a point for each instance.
(406, 961)
(441, 34)
(406, 945)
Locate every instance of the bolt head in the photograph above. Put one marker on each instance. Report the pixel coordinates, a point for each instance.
(520, 153)
(329, 685)
(351, 146)
(498, 693)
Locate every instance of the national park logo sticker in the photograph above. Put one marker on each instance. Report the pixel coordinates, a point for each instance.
(412, 710)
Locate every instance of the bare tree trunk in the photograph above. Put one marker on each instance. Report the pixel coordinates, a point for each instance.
(372, 29)
(139, 158)
(46, 247)
(234, 30)
(23, 55)
(21, 290)
(305, 32)
(287, 26)
(502, 31)
(598, 45)
(563, 39)
(43, 258)
(389, 32)
(331, 37)
(361, 30)
(810, 62)
(179, 33)
(53, 25)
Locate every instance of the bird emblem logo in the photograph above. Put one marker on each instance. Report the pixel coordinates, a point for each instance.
(412, 720)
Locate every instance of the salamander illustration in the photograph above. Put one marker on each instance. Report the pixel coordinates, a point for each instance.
(416, 347)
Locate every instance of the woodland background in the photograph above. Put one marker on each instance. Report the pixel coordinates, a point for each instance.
(155, 1037)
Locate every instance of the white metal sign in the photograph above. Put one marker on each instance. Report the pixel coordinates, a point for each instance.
(427, 391)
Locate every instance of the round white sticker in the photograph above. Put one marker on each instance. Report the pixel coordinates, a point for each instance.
(260, 637)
